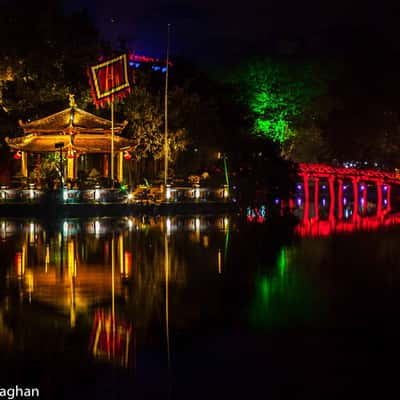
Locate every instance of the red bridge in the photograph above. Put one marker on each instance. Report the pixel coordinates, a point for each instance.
(336, 177)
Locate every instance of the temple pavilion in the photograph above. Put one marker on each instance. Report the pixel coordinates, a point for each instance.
(76, 133)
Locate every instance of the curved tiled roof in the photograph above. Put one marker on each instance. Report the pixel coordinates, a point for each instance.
(70, 120)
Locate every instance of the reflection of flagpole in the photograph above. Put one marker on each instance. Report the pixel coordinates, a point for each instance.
(166, 264)
(113, 290)
(166, 115)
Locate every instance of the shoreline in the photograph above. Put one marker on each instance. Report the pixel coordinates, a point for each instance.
(53, 210)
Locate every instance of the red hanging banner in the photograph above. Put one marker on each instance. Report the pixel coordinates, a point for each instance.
(109, 80)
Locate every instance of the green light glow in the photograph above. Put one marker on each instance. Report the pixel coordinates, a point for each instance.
(278, 95)
(283, 296)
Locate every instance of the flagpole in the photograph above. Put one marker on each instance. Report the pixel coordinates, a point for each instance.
(112, 141)
(166, 115)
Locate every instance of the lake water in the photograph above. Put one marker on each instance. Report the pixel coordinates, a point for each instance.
(199, 307)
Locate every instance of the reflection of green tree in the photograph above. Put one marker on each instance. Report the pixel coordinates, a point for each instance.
(285, 296)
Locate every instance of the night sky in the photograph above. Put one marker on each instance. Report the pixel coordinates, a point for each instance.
(220, 30)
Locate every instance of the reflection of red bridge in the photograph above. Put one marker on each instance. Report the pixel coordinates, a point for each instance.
(336, 177)
(316, 227)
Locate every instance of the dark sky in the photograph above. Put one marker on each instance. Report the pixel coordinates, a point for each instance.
(210, 31)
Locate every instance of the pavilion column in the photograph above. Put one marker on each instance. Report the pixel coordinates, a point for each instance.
(105, 165)
(355, 196)
(331, 198)
(306, 198)
(316, 198)
(120, 167)
(340, 198)
(24, 164)
(71, 168)
(379, 185)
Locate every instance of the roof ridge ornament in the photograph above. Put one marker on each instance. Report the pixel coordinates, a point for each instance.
(72, 102)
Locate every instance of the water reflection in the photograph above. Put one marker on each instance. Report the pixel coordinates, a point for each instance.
(108, 277)
(149, 296)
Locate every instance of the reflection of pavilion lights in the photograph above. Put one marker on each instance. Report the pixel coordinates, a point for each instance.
(3, 230)
(346, 213)
(168, 225)
(31, 233)
(362, 187)
(31, 194)
(97, 227)
(65, 195)
(130, 224)
(344, 200)
(97, 194)
(323, 202)
(298, 201)
(47, 258)
(385, 202)
(65, 228)
(28, 278)
(197, 193)
(198, 224)
(362, 201)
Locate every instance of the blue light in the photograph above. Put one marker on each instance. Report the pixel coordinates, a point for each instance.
(155, 68)
(137, 65)
(385, 188)
(131, 63)
(362, 187)
(299, 187)
(344, 201)
(276, 201)
(323, 202)
(164, 70)
(323, 187)
(299, 201)
(385, 202)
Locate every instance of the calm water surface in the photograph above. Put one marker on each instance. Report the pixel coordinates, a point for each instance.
(198, 307)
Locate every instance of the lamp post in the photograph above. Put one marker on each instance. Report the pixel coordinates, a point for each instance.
(60, 146)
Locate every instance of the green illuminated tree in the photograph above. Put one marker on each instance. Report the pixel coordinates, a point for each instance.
(279, 95)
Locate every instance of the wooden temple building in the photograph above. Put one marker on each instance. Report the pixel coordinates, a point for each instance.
(74, 133)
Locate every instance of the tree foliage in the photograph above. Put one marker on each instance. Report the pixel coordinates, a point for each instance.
(279, 95)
